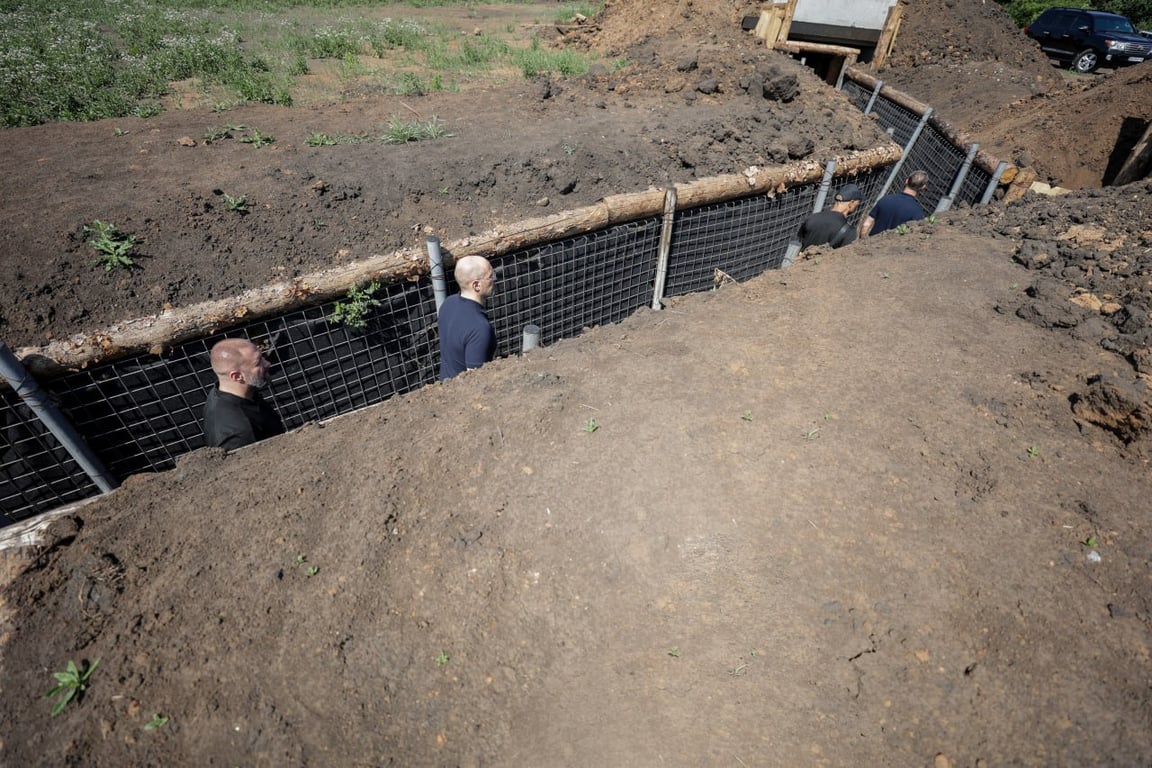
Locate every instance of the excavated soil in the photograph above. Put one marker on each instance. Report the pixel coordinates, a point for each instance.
(887, 507)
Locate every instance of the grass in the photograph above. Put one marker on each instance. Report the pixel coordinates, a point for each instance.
(96, 59)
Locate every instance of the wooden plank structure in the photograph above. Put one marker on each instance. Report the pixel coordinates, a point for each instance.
(775, 25)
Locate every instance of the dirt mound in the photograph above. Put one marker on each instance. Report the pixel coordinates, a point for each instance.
(954, 31)
(627, 23)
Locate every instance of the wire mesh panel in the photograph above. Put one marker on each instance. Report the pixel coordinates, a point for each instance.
(972, 190)
(590, 279)
(942, 161)
(141, 413)
(322, 368)
(870, 184)
(36, 473)
(901, 120)
(857, 94)
(740, 238)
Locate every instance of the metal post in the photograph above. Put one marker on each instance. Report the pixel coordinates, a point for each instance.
(875, 95)
(665, 246)
(50, 416)
(907, 151)
(531, 338)
(993, 183)
(436, 267)
(825, 185)
(946, 201)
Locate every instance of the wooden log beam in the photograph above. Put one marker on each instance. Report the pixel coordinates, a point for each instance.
(156, 333)
(796, 46)
(888, 34)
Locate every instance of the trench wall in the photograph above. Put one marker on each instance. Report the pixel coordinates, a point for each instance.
(141, 413)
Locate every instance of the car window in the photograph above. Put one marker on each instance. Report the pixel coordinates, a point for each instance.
(1114, 24)
(1058, 22)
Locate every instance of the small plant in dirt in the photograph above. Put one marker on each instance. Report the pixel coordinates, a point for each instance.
(113, 247)
(258, 139)
(902, 229)
(442, 659)
(746, 416)
(1033, 451)
(674, 651)
(318, 139)
(568, 149)
(591, 426)
(1089, 542)
(354, 311)
(221, 132)
(404, 131)
(70, 684)
(239, 203)
(311, 570)
(157, 721)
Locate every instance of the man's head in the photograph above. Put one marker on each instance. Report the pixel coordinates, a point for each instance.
(847, 199)
(476, 278)
(239, 366)
(916, 183)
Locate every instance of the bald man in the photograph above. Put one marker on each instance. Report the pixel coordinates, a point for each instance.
(467, 340)
(235, 414)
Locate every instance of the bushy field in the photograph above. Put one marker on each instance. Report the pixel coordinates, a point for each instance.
(93, 59)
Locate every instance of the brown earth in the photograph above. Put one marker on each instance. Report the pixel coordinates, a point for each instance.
(888, 507)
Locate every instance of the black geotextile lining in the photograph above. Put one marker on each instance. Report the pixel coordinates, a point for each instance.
(141, 413)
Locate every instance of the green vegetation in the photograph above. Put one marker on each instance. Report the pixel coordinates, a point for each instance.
(403, 131)
(157, 721)
(1023, 12)
(238, 203)
(70, 684)
(113, 247)
(591, 426)
(94, 59)
(442, 659)
(355, 310)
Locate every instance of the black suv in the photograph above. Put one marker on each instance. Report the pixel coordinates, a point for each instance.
(1087, 39)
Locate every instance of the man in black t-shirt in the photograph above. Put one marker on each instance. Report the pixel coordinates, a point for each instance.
(235, 414)
(831, 227)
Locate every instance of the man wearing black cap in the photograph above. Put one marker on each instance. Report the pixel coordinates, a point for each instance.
(831, 227)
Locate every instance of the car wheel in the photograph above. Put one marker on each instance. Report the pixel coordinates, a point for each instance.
(1086, 61)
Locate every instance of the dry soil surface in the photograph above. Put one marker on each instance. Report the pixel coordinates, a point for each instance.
(887, 507)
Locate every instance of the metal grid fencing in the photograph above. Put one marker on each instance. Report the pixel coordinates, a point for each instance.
(933, 151)
(567, 285)
(141, 413)
(36, 473)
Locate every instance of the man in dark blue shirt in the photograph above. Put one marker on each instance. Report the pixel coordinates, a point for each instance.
(467, 339)
(891, 211)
